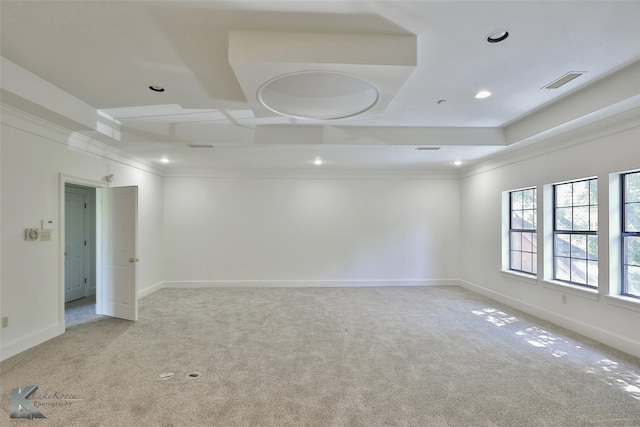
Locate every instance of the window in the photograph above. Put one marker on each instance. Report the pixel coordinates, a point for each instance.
(575, 232)
(523, 240)
(631, 234)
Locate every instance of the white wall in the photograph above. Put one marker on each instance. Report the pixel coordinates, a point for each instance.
(308, 232)
(599, 150)
(33, 156)
(304, 231)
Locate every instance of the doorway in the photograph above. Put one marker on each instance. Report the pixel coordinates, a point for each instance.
(107, 260)
(80, 248)
(79, 254)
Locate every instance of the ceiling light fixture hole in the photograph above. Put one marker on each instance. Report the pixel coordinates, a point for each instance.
(497, 36)
(156, 88)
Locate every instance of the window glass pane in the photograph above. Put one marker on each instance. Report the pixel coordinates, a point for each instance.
(528, 199)
(632, 217)
(534, 269)
(516, 200)
(563, 243)
(593, 188)
(563, 195)
(529, 219)
(563, 218)
(522, 216)
(516, 239)
(516, 262)
(534, 219)
(632, 275)
(576, 224)
(581, 193)
(579, 246)
(562, 269)
(527, 262)
(516, 220)
(526, 242)
(581, 218)
(592, 247)
(632, 250)
(579, 271)
(593, 218)
(632, 187)
(631, 243)
(534, 242)
(592, 276)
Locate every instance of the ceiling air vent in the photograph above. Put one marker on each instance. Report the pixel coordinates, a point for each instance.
(564, 80)
(427, 148)
(201, 146)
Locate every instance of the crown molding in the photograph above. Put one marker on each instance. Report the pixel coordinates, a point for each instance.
(73, 140)
(535, 147)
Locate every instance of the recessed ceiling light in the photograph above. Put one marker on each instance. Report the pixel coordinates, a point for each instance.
(156, 88)
(457, 163)
(317, 161)
(164, 160)
(483, 94)
(497, 36)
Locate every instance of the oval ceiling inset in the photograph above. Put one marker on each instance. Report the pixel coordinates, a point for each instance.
(318, 95)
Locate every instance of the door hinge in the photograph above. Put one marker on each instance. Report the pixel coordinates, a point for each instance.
(85, 280)
(85, 243)
(85, 206)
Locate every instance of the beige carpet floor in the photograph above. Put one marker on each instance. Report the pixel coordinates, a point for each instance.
(324, 357)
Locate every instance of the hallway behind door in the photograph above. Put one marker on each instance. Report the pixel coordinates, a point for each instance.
(79, 212)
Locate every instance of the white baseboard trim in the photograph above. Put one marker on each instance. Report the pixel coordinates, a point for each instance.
(151, 289)
(14, 347)
(306, 283)
(605, 337)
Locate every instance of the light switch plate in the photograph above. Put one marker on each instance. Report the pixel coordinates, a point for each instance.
(45, 235)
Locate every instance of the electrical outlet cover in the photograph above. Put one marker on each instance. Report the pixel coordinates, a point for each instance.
(30, 234)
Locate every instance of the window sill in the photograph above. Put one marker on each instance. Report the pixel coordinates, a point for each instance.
(588, 293)
(624, 302)
(521, 277)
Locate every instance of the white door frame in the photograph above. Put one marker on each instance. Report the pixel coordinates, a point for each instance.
(68, 179)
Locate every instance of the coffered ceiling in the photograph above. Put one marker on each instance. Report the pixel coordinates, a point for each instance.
(421, 62)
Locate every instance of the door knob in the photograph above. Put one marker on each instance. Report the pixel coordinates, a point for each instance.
(134, 259)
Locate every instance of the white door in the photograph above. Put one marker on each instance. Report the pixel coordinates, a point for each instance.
(75, 251)
(117, 295)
